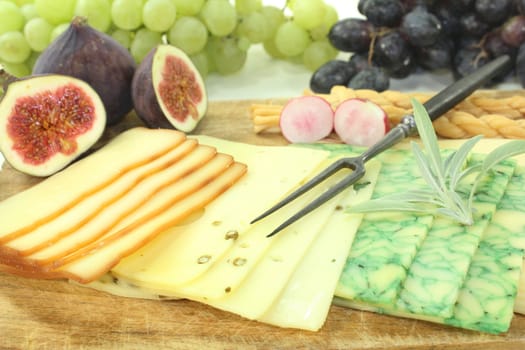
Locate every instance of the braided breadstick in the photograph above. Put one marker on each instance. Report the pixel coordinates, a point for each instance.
(489, 113)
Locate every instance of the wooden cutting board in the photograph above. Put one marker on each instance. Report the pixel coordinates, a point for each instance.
(38, 314)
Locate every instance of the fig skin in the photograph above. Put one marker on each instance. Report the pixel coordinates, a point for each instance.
(96, 58)
(147, 99)
(144, 97)
(24, 135)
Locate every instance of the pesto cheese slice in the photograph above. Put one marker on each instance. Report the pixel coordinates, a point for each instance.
(441, 264)
(385, 243)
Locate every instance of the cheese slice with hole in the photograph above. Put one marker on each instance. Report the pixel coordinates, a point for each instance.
(172, 259)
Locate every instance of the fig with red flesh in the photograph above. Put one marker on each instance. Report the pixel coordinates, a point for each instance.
(98, 59)
(168, 91)
(47, 121)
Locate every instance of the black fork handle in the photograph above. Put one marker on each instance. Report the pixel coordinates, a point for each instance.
(457, 92)
(440, 103)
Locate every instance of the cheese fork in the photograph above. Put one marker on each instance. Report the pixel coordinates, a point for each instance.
(435, 106)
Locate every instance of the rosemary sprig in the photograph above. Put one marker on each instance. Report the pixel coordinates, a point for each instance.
(442, 176)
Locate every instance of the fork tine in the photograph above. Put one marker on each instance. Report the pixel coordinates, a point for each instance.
(332, 192)
(327, 172)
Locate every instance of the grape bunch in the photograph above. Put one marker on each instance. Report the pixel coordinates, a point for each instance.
(216, 34)
(397, 38)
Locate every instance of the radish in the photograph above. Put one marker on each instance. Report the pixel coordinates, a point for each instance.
(360, 122)
(306, 119)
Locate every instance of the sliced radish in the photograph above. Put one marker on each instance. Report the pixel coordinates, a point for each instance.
(360, 122)
(306, 119)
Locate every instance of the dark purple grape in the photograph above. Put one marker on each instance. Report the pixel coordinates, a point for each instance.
(370, 78)
(351, 35)
(520, 65)
(360, 61)
(513, 31)
(420, 27)
(467, 60)
(408, 66)
(383, 13)
(496, 46)
(437, 56)
(472, 25)
(457, 7)
(493, 12)
(390, 50)
(450, 23)
(334, 72)
(361, 6)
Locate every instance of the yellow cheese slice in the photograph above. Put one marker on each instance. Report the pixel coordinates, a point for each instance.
(175, 257)
(59, 192)
(306, 300)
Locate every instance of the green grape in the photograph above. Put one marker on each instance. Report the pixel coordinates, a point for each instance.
(291, 39)
(243, 43)
(58, 30)
(11, 17)
(159, 15)
(14, 47)
(17, 69)
(28, 11)
(127, 14)
(254, 27)
(308, 14)
(330, 18)
(200, 60)
(143, 42)
(37, 32)
(97, 12)
(317, 54)
(274, 18)
(55, 11)
(245, 7)
(189, 34)
(187, 7)
(123, 37)
(219, 16)
(226, 55)
(271, 49)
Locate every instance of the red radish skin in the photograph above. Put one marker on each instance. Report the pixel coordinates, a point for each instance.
(360, 122)
(306, 119)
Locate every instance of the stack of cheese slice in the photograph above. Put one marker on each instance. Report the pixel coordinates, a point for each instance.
(410, 265)
(82, 221)
(221, 260)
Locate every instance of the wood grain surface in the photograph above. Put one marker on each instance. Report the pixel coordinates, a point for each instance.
(39, 314)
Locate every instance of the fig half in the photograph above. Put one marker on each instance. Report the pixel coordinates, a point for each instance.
(47, 121)
(168, 90)
(98, 59)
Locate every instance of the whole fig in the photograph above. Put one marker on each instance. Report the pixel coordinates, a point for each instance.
(168, 90)
(98, 59)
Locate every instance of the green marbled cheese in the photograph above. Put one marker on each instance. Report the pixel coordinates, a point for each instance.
(385, 243)
(441, 265)
(486, 300)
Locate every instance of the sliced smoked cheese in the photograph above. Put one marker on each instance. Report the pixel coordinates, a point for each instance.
(132, 204)
(133, 186)
(56, 194)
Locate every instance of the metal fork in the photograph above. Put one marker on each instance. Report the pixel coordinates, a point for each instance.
(436, 106)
